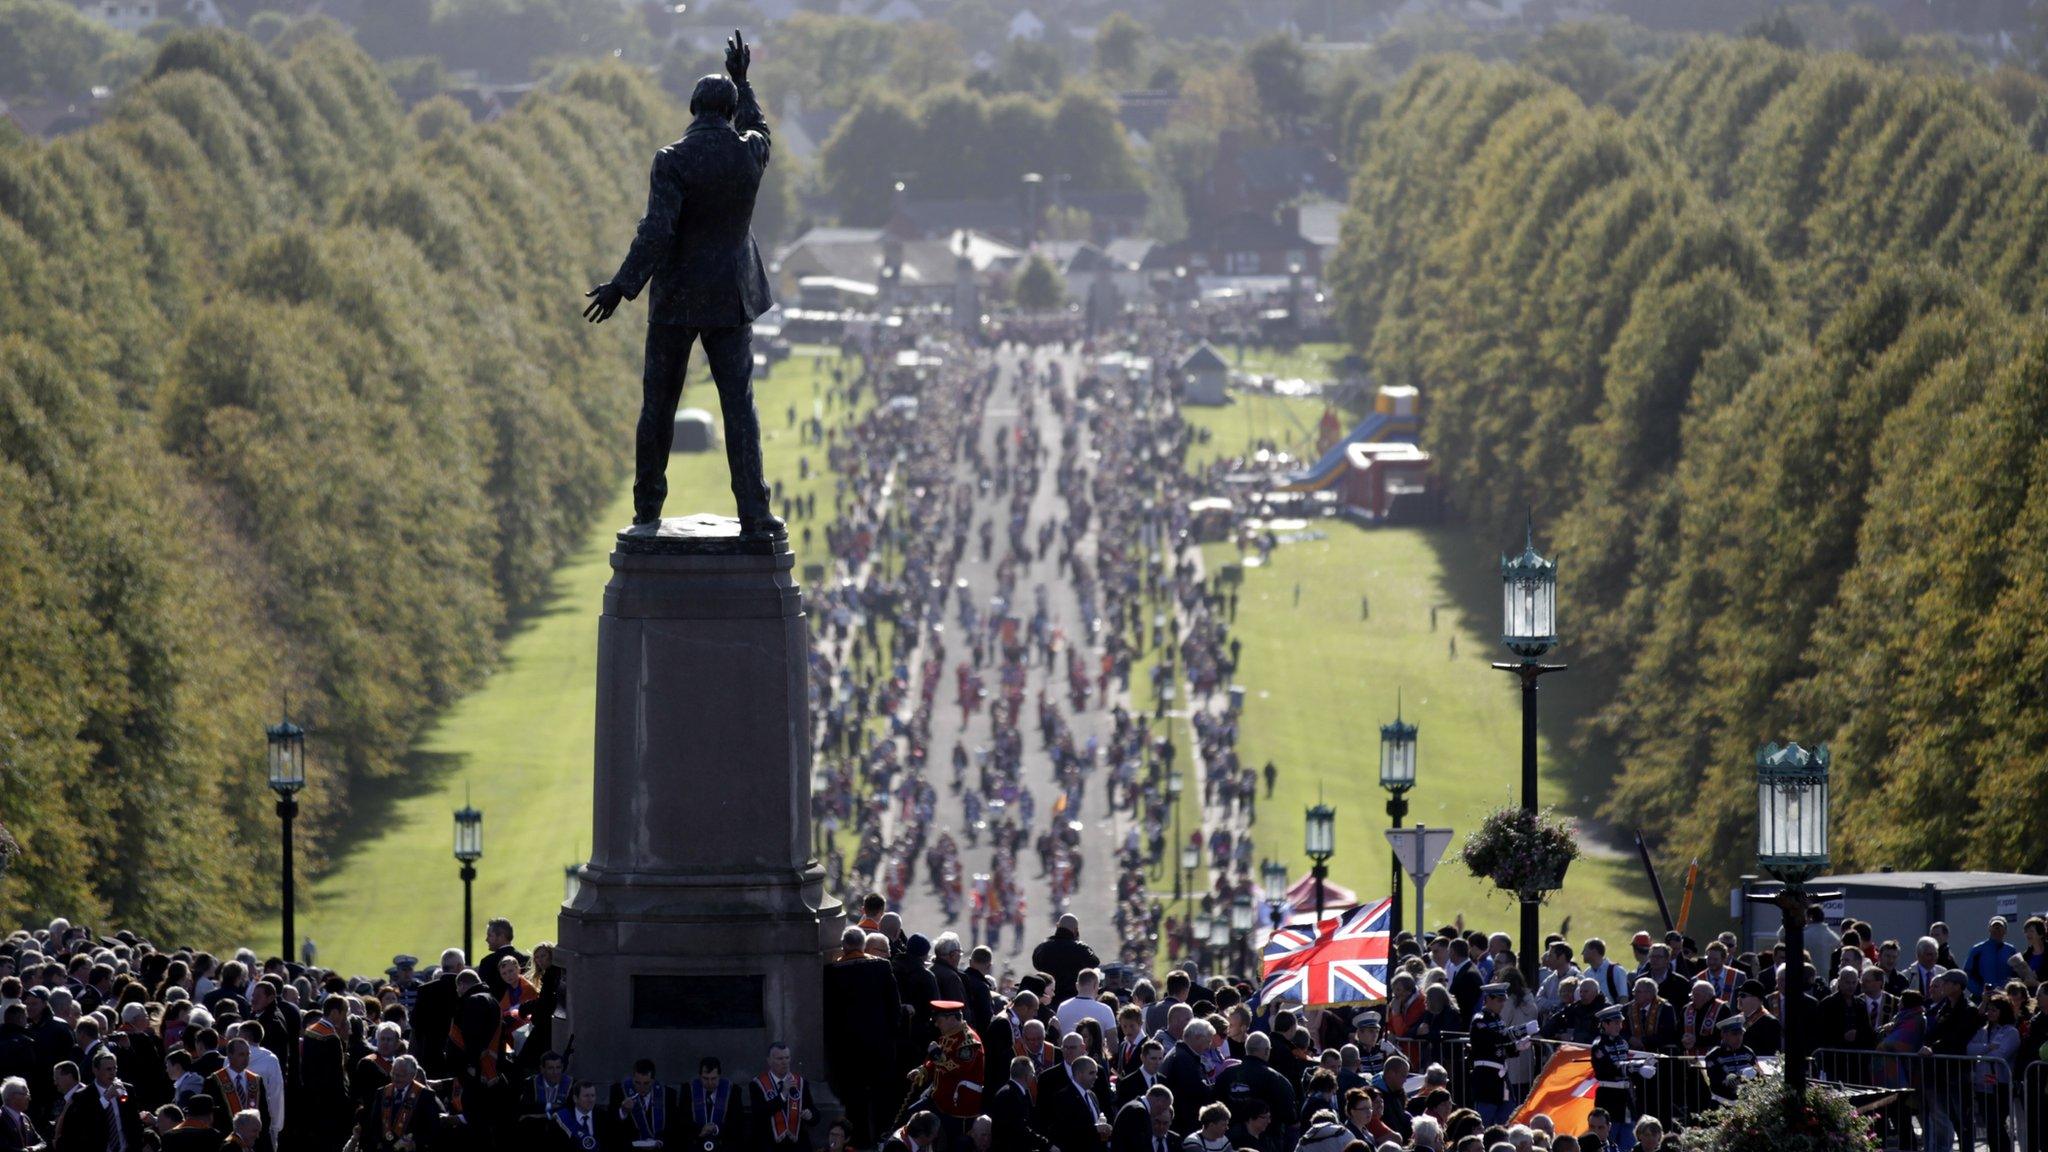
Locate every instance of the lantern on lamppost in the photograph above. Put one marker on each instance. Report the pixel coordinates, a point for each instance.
(1792, 845)
(469, 848)
(1273, 880)
(1319, 843)
(1190, 859)
(1242, 917)
(286, 744)
(1397, 776)
(1528, 584)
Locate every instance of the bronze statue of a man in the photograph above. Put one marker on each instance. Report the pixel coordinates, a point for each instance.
(697, 246)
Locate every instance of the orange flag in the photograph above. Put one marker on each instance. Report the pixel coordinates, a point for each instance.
(1563, 1092)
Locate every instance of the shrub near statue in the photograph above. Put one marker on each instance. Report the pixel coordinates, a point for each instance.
(696, 245)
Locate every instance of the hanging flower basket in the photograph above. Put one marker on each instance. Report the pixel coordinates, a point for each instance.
(1766, 1118)
(1521, 852)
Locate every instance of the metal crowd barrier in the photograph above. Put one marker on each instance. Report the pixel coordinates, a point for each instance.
(1930, 1103)
(1937, 1103)
(1676, 1093)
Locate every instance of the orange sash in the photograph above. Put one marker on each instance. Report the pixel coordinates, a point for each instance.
(785, 1121)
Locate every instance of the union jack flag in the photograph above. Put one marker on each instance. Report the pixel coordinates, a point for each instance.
(1346, 963)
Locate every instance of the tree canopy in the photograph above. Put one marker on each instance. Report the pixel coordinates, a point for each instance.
(1763, 355)
(293, 404)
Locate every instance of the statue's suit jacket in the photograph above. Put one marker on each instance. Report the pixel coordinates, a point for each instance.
(696, 242)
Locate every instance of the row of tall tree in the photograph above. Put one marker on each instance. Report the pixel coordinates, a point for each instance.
(1764, 356)
(955, 143)
(294, 404)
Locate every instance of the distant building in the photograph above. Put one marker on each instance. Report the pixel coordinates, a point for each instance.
(877, 264)
(848, 254)
(1243, 244)
(1256, 173)
(1026, 25)
(1204, 377)
(1322, 226)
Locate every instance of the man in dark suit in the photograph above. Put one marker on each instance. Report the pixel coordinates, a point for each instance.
(1014, 1114)
(1131, 1085)
(979, 989)
(1058, 1080)
(322, 1102)
(498, 938)
(87, 1124)
(1176, 993)
(1146, 1125)
(282, 1023)
(696, 245)
(433, 1014)
(1183, 1071)
(236, 1087)
(1074, 1122)
(1878, 1007)
(779, 1107)
(861, 1019)
(643, 1107)
(403, 1108)
(17, 1133)
(1252, 1080)
(1466, 981)
(946, 968)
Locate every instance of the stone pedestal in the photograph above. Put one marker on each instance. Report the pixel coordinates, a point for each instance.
(700, 926)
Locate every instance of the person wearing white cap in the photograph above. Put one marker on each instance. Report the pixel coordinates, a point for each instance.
(1731, 1063)
(1990, 961)
(1613, 1063)
(1486, 1079)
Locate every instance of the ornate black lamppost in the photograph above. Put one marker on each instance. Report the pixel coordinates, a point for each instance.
(469, 848)
(287, 744)
(1397, 776)
(1174, 785)
(1792, 845)
(1319, 842)
(1529, 629)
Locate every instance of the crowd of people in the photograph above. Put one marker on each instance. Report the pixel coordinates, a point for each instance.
(938, 1035)
(114, 1043)
(1930, 1050)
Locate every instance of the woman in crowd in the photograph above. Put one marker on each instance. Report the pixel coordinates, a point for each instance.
(1995, 1046)
(1520, 1010)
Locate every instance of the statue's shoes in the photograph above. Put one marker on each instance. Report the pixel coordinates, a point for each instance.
(766, 528)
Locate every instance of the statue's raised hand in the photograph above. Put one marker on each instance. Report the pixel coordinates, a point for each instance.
(737, 57)
(603, 299)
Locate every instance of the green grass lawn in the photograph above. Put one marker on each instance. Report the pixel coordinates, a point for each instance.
(1320, 681)
(519, 746)
(1306, 361)
(1254, 417)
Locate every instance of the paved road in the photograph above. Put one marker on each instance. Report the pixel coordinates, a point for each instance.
(1093, 900)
